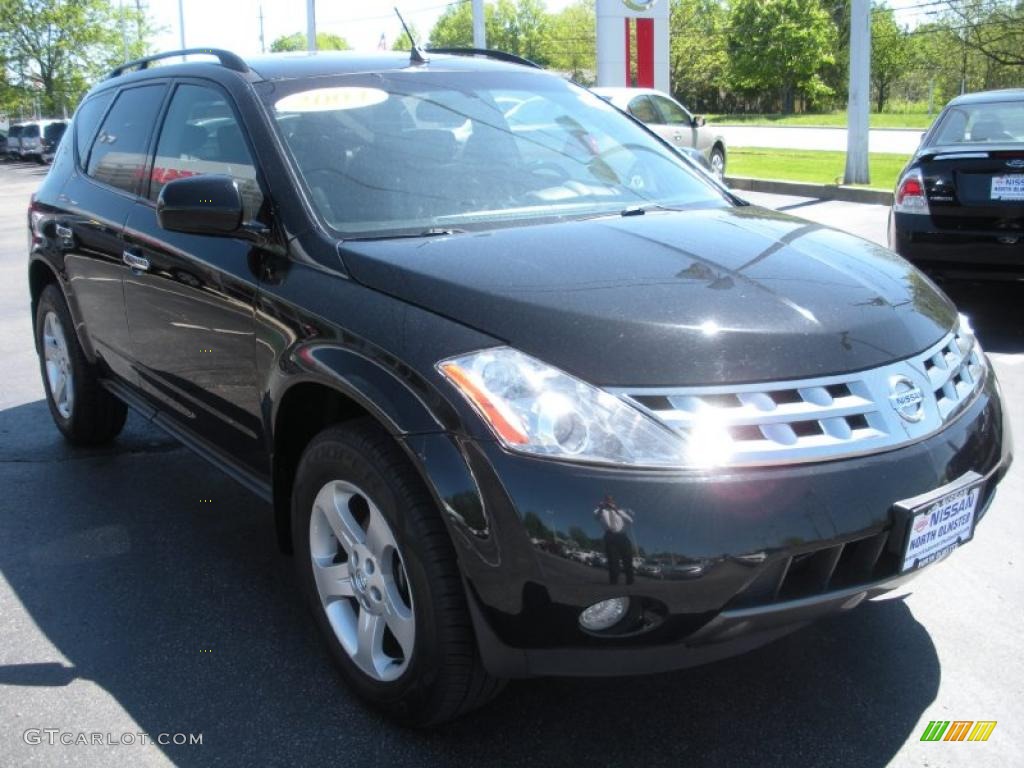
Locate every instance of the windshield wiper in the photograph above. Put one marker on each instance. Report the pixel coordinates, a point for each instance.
(640, 210)
(432, 232)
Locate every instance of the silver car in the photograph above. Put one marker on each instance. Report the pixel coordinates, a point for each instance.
(670, 120)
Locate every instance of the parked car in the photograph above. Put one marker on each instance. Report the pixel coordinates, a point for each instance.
(3, 143)
(442, 352)
(670, 120)
(52, 135)
(958, 209)
(14, 141)
(32, 146)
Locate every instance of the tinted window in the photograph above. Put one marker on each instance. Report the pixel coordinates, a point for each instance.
(87, 120)
(30, 131)
(672, 112)
(405, 152)
(15, 131)
(201, 135)
(54, 131)
(118, 155)
(999, 122)
(642, 109)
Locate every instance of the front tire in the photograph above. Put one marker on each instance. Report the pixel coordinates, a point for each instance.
(379, 573)
(85, 412)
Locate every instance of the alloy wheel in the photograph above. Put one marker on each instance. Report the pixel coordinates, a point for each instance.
(362, 582)
(57, 360)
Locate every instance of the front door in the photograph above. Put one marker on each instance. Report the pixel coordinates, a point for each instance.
(190, 298)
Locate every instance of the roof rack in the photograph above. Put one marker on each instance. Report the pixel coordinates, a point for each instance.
(226, 58)
(489, 53)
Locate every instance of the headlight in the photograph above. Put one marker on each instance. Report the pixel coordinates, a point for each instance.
(536, 409)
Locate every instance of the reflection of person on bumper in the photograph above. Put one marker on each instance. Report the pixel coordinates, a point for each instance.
(617, 545)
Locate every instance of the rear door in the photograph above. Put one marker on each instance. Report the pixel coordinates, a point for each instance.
(191, 298)
(112, 134)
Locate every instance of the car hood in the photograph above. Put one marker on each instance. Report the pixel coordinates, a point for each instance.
(671, 298)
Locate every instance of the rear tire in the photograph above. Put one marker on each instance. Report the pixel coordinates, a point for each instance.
(717, 161)
(371, 550)
(85, 412)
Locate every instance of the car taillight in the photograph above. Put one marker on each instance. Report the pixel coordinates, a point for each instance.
(910, 194)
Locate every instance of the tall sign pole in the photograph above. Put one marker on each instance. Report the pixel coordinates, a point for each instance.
(311, 25)
(181, 23)
(857, 129)
(479, 30)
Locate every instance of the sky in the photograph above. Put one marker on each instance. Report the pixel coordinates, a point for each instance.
(234, 24)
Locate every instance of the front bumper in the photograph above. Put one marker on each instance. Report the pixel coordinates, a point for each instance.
(722, 561)
(996, 254)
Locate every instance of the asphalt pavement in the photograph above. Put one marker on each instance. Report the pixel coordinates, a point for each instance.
(129, 606)
(895, 141)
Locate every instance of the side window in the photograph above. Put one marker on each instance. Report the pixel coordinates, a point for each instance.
(87, 120)
(118, 155)
(642, 109)
(201, 135)
(673, 113)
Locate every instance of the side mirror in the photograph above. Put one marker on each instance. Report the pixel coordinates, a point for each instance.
(200, 205)
(699, 121)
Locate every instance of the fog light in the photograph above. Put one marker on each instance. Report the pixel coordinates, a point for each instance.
(605, 614)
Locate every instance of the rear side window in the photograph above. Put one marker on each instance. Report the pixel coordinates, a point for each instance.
(118, 155)
(200, 135)
(87, 120)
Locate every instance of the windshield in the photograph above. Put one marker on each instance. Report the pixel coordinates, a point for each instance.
(1000, 122)
(409, 152)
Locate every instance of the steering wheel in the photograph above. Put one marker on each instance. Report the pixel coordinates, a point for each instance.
(547, 168)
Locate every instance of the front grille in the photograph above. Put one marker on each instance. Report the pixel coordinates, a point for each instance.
(853, 563)
(825, 418)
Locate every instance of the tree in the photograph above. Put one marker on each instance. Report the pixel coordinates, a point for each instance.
(572, 41)
(514, 26)
(994, 29)
(454, 27)
(53, 49)
(325, 41)
(890, 53)
(698, 60)
(780, 46)
(403, 43)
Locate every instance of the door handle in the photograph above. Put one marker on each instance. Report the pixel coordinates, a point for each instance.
(136, 262)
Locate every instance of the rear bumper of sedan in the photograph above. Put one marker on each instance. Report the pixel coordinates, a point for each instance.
(722, 562)
(983, 254)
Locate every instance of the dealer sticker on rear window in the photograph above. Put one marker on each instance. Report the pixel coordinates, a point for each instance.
(1008, 187)
(941, 527)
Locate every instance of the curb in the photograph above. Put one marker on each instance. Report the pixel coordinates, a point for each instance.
(812, 127)
(806, 189)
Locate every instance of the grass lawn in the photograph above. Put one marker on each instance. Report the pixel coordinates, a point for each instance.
(817, 167)
(827, 120)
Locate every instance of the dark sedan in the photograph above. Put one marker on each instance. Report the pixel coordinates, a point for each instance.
(958, 211)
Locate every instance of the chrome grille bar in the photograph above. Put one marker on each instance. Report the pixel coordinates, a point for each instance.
(824, 418)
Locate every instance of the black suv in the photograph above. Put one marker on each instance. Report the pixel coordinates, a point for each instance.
(529, 394)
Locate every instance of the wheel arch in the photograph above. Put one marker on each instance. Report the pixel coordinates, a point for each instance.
(346, 390)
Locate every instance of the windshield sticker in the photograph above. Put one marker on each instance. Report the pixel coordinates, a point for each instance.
(331, 99)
